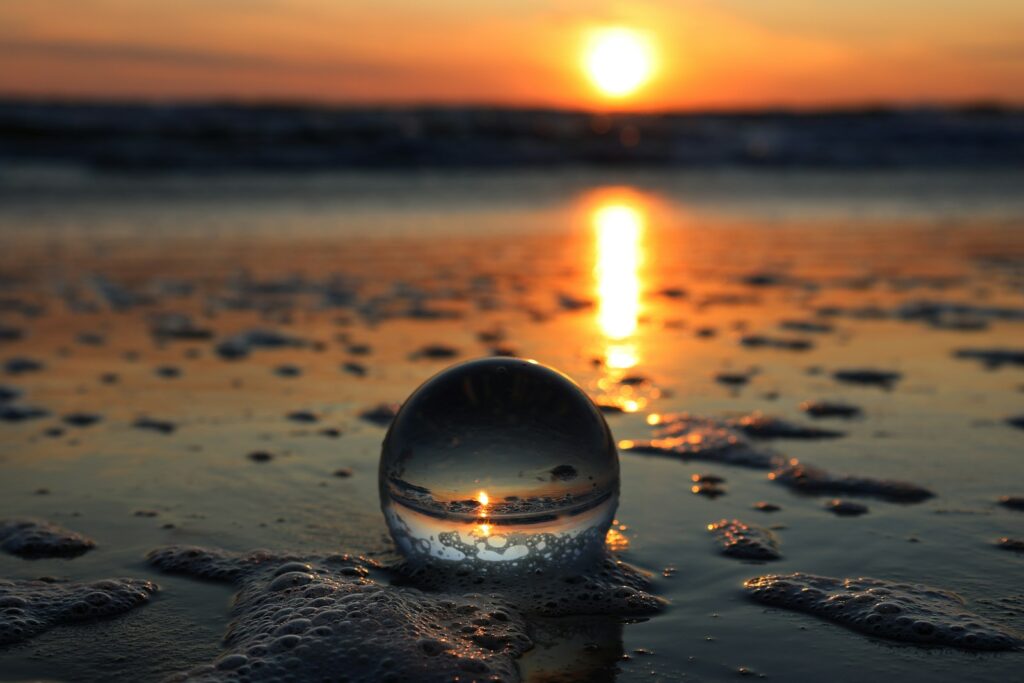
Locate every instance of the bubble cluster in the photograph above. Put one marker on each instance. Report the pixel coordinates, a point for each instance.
(213, 564)
(38, 538)
(911, 613)
(502, 464)
(760, 426)
(744, 541)
(692, 437)
(28, 608)
(808, 479)
(730, 441)
(606, 587)
(309, 618)
(313, 618)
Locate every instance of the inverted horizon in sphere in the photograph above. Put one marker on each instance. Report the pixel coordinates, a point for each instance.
(499, 463)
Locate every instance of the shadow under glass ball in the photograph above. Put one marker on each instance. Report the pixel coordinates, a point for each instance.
(499, 461)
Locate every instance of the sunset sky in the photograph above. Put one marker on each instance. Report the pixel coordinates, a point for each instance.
(704, 53)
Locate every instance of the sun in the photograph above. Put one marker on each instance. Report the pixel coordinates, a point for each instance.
(618, 61)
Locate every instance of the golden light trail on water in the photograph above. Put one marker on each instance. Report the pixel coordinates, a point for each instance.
(618, 225)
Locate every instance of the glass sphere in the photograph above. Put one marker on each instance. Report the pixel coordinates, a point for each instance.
(501, 463)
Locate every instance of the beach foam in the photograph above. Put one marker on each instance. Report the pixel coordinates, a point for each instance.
(691, 437)
(808, 479)
(608, 587)
(911, 613)
(761, 426)
(28, 608)
(34, 538)
(744, 541)
(310, 617)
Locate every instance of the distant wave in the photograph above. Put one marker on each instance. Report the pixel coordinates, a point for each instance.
(222, 137)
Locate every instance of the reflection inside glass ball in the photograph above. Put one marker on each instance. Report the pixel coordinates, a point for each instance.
(501, 463)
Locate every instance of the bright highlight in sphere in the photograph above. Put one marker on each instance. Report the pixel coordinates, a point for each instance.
(618, 61)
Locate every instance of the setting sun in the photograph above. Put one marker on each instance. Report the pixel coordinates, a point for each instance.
(618, 61)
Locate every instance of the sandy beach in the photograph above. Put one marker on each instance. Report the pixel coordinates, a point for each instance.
(203, 362)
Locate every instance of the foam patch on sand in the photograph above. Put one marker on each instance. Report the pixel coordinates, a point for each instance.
(28, 608)
(34, 538)
(813, 480)
(744, 541)
(760, 426)
(313, 617)
(610, 587)
(820, 409)
(213, 564)
(691, 437)
(910, 613)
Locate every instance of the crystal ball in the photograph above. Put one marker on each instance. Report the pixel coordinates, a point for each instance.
(502, 464)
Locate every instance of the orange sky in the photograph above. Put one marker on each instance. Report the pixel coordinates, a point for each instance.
(710, 53)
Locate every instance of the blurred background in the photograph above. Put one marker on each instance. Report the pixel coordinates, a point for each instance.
(317, 85)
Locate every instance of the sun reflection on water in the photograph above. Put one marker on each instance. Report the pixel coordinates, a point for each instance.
(618, 222)
(618, 225)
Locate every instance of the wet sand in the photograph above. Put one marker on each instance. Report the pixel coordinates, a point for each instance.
(192, 362)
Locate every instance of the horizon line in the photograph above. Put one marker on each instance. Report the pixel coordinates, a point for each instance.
(866, 106)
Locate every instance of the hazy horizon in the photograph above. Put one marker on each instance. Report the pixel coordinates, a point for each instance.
(825, 108)
(706, 55)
